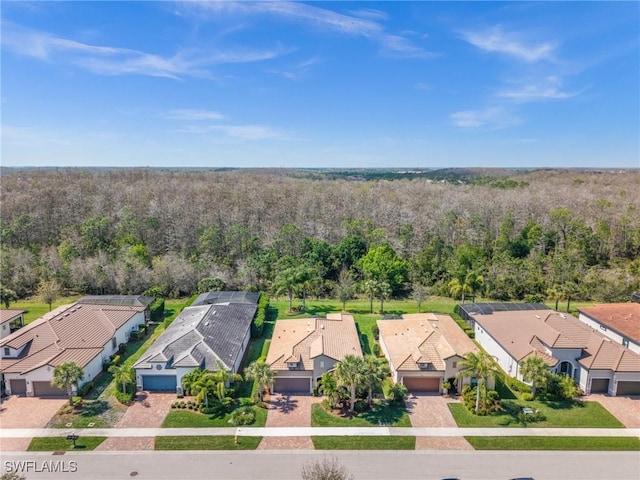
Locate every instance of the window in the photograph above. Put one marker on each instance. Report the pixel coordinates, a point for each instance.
(113, 342)
(454, 365)
(321, 363)
(7, 351)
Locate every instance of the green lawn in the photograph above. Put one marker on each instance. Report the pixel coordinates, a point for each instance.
(555, 443)
(364, 443)
(186, 418)
(203, 442)
(559, 414)
(58, 444)
(381, 414)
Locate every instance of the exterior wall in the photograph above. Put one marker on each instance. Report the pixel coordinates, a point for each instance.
(122, 334)
(622, 377)
(613, 335)
(45, 374)
(245, 341)
(493, 348)
(5, 329)
(321, 365)
(385, 352)
(567, 355)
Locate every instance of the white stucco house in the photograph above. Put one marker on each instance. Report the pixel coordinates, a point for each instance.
(87, 332)
(214, 330)
(568, 346)
(618, 321)
(10, 321)
(424, 350)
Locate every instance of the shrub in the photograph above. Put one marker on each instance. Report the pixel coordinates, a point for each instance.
(526, 396)
(156, 310)
(208, 410)
(326, 405)
(76, 401)
(376, 332)
(124, 398)
(115, 360)
(376, 349)
(85, 388)
(261, 314)
(122, 349)
(517, 385)
(243, 416)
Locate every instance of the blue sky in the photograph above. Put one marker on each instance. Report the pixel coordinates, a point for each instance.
(321, 84)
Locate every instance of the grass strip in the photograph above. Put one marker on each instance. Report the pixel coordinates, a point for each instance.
(381, 414)
(190, 419)
(364, 443)
(58, 444)
(206, 442)
(555, 443)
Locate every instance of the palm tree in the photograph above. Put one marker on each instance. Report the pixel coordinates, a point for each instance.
(555, 293)
(350, 373)
(66, 375)
(122, 374)
(286, 282)
(535, 370)
(203, 386)
(303, 280)
(261, 373)
(222, 378)
(370, 287)
(376, 370)
(384, 291)
(481, 366)
(472, 281)
(330, 389)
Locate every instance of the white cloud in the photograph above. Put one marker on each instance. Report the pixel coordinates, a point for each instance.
(490, 117)
(549, 89)
(297, 71)
(495, 40)
(190, 114)
(322, 18)
(242, 132)
(106, 60)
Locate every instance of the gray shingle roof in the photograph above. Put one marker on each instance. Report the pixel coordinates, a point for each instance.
(212, 298)
(127, 300)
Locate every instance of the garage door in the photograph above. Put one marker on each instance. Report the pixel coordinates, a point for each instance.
(44, 389)
(417, 384)
(159, 382)
(628, 388)
(600, 385)
(18, 387)
(292, 385)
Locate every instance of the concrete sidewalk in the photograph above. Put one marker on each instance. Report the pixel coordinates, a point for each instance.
(320, 431)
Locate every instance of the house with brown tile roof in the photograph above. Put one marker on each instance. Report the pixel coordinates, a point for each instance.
(424, 350)
(86, 333)
(567, 345)
(302, 350)
(618, 321)
(10, 321)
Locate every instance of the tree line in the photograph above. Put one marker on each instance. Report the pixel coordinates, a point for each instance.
(540, 235)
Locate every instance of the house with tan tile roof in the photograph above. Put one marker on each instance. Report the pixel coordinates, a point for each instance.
(424, 350)
(567, 345)
(10, 321)
(86, 333)
(618, 321)
(302, 350)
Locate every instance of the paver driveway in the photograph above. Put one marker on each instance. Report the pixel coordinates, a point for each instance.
(288, 411)
(148, 411)
(624, 408)
(429, 410)
(26, 412)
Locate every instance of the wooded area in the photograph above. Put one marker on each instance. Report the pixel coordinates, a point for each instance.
(507, 235)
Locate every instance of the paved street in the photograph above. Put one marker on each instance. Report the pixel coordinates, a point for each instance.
(379, 465)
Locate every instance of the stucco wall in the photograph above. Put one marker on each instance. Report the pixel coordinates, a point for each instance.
(603, 329)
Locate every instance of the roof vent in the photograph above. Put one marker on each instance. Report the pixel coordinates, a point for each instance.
(537, 316)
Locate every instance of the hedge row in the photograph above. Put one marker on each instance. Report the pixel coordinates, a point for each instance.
(258, 322)
(157, 310)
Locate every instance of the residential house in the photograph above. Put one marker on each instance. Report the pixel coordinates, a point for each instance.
(424, 350)
(87, 332)
(302, 350)
(618, 321)
(567, 345)
(213, 331)
(10, 321)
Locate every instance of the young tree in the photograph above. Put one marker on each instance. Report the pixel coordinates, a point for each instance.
(66, 375)
(351, 373)
(286, 281)
(261, 373)
(535, 370)
(376, 370)
(419, 293)
(481, 366)
(122, 375)
(370, 287)
(49, 291)
(344, 289)
(7, 295)
(384, 292)
(329, 388)
(325, 469)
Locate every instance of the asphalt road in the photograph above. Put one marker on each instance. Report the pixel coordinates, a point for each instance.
(287, 465)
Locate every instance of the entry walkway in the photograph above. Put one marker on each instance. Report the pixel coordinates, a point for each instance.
(320, 431)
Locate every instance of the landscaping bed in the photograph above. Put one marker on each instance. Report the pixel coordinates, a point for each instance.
(381, 414)
(189, 418)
